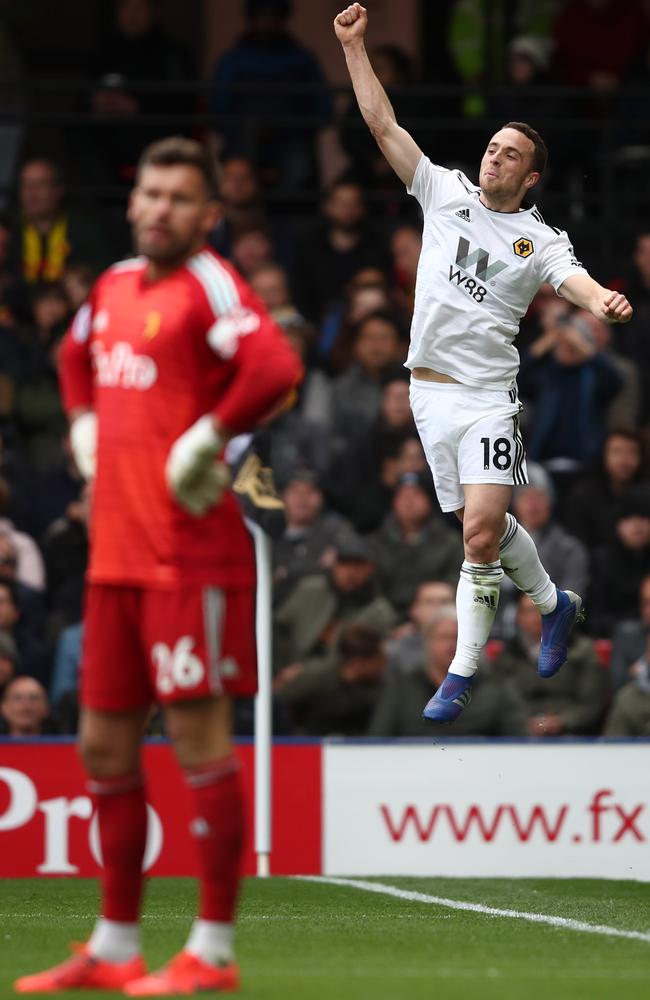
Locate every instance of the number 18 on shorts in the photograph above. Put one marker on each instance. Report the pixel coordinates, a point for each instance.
(469, 435)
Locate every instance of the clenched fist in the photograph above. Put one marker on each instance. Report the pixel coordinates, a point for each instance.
(350, 24)
(615, 308)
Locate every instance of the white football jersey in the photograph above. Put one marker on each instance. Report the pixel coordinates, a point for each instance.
(478, 272)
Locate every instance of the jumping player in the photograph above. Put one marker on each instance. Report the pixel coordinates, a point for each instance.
(483, 259)
(171, 356)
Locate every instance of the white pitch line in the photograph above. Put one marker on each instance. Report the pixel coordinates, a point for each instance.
(491, 911)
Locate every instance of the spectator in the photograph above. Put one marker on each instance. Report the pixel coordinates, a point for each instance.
(546, 313)
(596, 41)
(620, 566)
(526, 77)
(314, 394)
(338, 697)
(242, 207)
(21, 618)
(22, 553)
(495, 709)
(307, 545)
(136, 51)
(632, 339)
(366, 293)
(52, 493)
(357, 393)
(571, 385)
(65, 546)
(271, 282)
(361, 484)
(50, 313)
(38, 412)
(593, 504)
(405, 247)
(8, 660)
(629, 639)
(308, 623)
(243, 210)
(575, 702)
(415, 544)
(252, 249)
(405, 648)
(65, 673)
(297, 441)
(564, 557)
(630, 712)
(625, 407)
(341, 244)
(48, 235)
(24, 710)
(369, 462)
(268, 75)
(78, 280)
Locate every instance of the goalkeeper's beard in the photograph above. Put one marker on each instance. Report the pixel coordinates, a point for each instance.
(169, 257)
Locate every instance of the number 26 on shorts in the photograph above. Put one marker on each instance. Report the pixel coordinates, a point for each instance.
(178, 667)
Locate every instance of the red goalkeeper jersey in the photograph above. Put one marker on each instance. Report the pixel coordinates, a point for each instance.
(151, 358)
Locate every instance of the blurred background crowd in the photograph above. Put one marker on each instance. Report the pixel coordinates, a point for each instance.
(364, 563)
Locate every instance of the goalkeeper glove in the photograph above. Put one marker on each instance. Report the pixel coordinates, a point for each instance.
(193, 476)
(83, 441)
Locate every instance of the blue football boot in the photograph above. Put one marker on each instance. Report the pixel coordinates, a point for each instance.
(453, 695)
(556, 629)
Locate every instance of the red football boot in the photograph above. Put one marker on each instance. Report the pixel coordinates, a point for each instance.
(83, 972)
(184, 975)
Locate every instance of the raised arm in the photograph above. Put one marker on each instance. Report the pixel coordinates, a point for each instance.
(603, 303)
(399, 148)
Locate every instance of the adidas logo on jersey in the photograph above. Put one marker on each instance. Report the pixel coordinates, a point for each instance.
(463, 214)
(485, 599)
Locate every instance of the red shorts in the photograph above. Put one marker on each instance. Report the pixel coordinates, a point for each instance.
(145, 645)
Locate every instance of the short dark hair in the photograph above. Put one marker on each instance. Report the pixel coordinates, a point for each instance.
(53, 165)
(383, 316)
(540, 154)
(359, 641)
(177, 150)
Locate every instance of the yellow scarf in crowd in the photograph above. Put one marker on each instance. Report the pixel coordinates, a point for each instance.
(44, 257)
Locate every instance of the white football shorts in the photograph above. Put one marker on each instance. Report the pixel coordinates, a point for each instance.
(469, 435)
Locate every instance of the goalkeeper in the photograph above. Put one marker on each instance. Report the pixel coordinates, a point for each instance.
(171, 357)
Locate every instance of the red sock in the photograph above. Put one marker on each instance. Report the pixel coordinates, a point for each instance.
(218, 830)
(122, 816)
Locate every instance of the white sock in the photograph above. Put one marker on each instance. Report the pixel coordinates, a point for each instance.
(211, 941)
(520, 560)
(477, 599)
(114, 941)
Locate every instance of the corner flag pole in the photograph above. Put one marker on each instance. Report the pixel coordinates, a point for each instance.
(263, 701)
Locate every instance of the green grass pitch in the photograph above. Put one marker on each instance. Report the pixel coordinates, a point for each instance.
(321, 942)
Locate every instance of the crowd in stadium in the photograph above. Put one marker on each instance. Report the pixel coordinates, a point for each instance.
(364, 563)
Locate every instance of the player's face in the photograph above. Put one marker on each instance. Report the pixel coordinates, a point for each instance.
(506, 167)
(171, 212)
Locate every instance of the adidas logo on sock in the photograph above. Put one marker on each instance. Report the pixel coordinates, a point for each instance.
(463, 214)
(486, 599)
